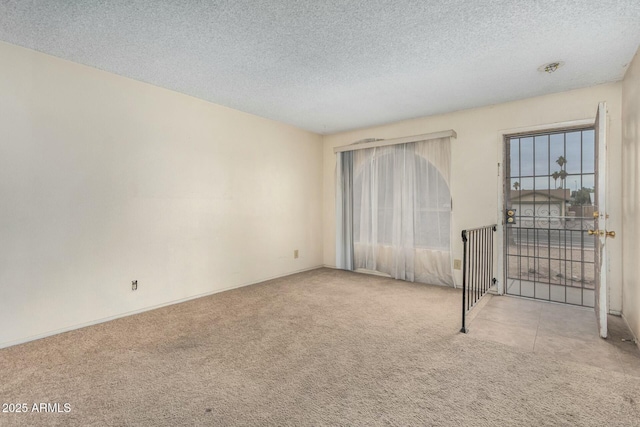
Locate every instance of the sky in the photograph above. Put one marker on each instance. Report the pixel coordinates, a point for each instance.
(533, 160)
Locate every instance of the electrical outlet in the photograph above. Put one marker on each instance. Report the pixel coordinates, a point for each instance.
(134, 285)
(295, 253)
(457, 264)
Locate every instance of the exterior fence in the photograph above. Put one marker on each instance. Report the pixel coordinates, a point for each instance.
(477, 266)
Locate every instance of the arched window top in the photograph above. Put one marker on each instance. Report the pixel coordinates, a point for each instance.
(396, 185)
(429, 151)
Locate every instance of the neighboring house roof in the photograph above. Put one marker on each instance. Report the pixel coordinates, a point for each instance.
(543, 195)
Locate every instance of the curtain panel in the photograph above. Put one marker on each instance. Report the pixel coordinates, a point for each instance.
(344, 211)
(400, 211)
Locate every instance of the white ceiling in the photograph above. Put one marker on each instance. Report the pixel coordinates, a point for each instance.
(334, 65)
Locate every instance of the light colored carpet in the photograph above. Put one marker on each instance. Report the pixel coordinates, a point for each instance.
(324, 347)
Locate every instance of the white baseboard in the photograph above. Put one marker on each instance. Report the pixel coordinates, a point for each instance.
(635, 339)
(142, 310)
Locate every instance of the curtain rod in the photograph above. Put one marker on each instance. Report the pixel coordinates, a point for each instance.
(404, 140)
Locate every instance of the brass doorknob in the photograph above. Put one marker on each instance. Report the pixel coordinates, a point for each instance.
(602, 233)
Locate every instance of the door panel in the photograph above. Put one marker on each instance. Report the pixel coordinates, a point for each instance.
(600, 216)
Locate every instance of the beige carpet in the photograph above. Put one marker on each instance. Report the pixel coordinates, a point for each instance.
(323, 347)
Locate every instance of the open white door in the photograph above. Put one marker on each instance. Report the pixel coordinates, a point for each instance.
(600, 222)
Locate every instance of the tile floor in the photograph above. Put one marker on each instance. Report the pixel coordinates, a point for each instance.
(556, 293)
(559, 330)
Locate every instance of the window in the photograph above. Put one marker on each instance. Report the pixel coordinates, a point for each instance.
(387, 183)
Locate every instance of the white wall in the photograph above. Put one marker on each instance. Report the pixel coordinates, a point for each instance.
(104, 180)
(477, 151)
(631, 194)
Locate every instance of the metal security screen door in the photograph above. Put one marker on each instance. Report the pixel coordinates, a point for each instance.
(550, 185)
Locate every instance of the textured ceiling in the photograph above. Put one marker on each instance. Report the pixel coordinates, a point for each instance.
(334, 65)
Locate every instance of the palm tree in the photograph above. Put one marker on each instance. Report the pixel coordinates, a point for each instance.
(555, 177)
(516, 185)
(562, 174)
(561, 161)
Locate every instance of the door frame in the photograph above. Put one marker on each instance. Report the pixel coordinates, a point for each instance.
(502, 136)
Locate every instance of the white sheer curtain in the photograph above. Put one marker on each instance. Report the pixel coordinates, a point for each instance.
(401, 210)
